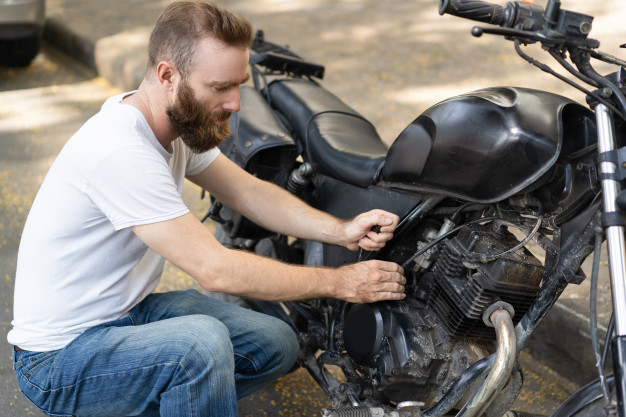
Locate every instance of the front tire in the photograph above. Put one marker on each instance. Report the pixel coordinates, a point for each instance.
(587, 402)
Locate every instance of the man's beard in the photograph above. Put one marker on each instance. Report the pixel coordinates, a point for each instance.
(195, 125)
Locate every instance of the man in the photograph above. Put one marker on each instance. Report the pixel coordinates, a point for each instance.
(90, 337)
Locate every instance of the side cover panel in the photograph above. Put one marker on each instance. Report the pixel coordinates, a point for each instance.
(347, 201)
(483, 146)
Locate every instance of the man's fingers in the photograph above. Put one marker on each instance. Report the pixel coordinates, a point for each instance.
(380, 237)
(374, 241)
(388, 266)
(386, 221)
(378, 280)
(391, 287)
(391, 296)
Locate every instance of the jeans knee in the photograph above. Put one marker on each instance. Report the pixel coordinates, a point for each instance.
(285, 345)
(206, 339)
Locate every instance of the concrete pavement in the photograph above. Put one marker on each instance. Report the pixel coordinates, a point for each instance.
(388, 60)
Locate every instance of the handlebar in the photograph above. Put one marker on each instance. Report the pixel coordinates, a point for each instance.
(514, 15)
(561, 32)
(480, 11)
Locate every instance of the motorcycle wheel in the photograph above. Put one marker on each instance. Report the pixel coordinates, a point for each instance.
(587, 402)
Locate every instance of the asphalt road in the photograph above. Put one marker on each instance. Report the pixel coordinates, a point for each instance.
(40, 108)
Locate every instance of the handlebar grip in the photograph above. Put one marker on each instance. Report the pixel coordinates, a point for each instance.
(480, 11)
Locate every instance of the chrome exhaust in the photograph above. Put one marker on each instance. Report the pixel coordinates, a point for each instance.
(498, 315)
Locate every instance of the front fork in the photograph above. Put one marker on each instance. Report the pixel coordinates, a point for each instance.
(616, 248)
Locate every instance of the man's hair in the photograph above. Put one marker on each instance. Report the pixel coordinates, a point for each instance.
(183, 23)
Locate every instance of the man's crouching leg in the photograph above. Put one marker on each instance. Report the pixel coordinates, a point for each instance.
(264, 347)
(264, 354)
(203, 383)
(181, 366)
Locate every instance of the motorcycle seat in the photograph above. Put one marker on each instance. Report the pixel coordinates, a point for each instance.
(339, 142)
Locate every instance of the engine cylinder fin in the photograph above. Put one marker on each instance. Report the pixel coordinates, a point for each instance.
(461, 292)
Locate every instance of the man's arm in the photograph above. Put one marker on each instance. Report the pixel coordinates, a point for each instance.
(188, 244)
(278, 210)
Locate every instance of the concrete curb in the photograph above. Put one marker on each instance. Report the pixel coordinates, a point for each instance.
(120, 58)
(57, 33)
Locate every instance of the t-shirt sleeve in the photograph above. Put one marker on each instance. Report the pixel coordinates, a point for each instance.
(196, 163)
(133, 186)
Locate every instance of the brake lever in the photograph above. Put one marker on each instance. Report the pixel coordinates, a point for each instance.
(527, 37)
(523, 36)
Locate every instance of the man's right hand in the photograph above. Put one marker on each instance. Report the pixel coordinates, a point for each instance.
(370, 281)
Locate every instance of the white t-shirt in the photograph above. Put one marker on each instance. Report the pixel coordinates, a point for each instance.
(79, 263)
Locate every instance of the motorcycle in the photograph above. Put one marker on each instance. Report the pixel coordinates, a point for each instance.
(478, 180)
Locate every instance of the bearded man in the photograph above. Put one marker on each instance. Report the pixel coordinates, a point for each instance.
(90, 337)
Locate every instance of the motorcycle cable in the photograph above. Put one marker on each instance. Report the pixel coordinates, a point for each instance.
(444, 236)
(520, 36)
(593, 318)
(479, 257)
(588, 70)
(483, 258)
(545, 68)
(607, 339)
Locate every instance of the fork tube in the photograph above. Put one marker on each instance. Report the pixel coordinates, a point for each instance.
(614, 234)
(617, 254)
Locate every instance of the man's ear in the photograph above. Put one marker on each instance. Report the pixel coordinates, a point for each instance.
(166, 74)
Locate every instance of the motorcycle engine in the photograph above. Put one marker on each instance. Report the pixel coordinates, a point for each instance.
(416, 348)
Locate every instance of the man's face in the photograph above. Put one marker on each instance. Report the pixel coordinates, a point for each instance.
(204, 102)
(196, 124)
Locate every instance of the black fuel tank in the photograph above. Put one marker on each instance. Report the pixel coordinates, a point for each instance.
(483, 146)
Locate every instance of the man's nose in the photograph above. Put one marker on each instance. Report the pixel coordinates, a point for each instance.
(233, 103)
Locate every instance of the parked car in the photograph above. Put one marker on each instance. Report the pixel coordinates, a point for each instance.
(21, 28)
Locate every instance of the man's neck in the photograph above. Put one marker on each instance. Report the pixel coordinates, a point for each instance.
(154, 110)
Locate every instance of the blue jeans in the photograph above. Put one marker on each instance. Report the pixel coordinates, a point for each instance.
(175, 354)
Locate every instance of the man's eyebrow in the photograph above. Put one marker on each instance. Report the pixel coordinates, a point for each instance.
(229, 83)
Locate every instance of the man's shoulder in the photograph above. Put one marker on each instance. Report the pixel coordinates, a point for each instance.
(115, 125)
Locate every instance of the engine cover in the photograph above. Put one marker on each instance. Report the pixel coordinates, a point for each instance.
(405, 351)
(460, 294)
(414, 349)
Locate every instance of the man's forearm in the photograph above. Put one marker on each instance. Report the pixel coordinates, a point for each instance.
(280, 211)
(186, 243)
(251, 276)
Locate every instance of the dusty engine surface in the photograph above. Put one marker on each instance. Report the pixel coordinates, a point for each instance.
(405, 352)
(417, 348)
(464, 286)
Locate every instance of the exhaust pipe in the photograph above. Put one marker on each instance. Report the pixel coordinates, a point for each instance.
(498, 315)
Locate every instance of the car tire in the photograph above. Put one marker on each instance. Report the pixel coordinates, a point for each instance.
(19, 52)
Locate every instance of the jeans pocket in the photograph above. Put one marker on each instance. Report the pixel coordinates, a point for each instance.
(34, 368)
(33, 371)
